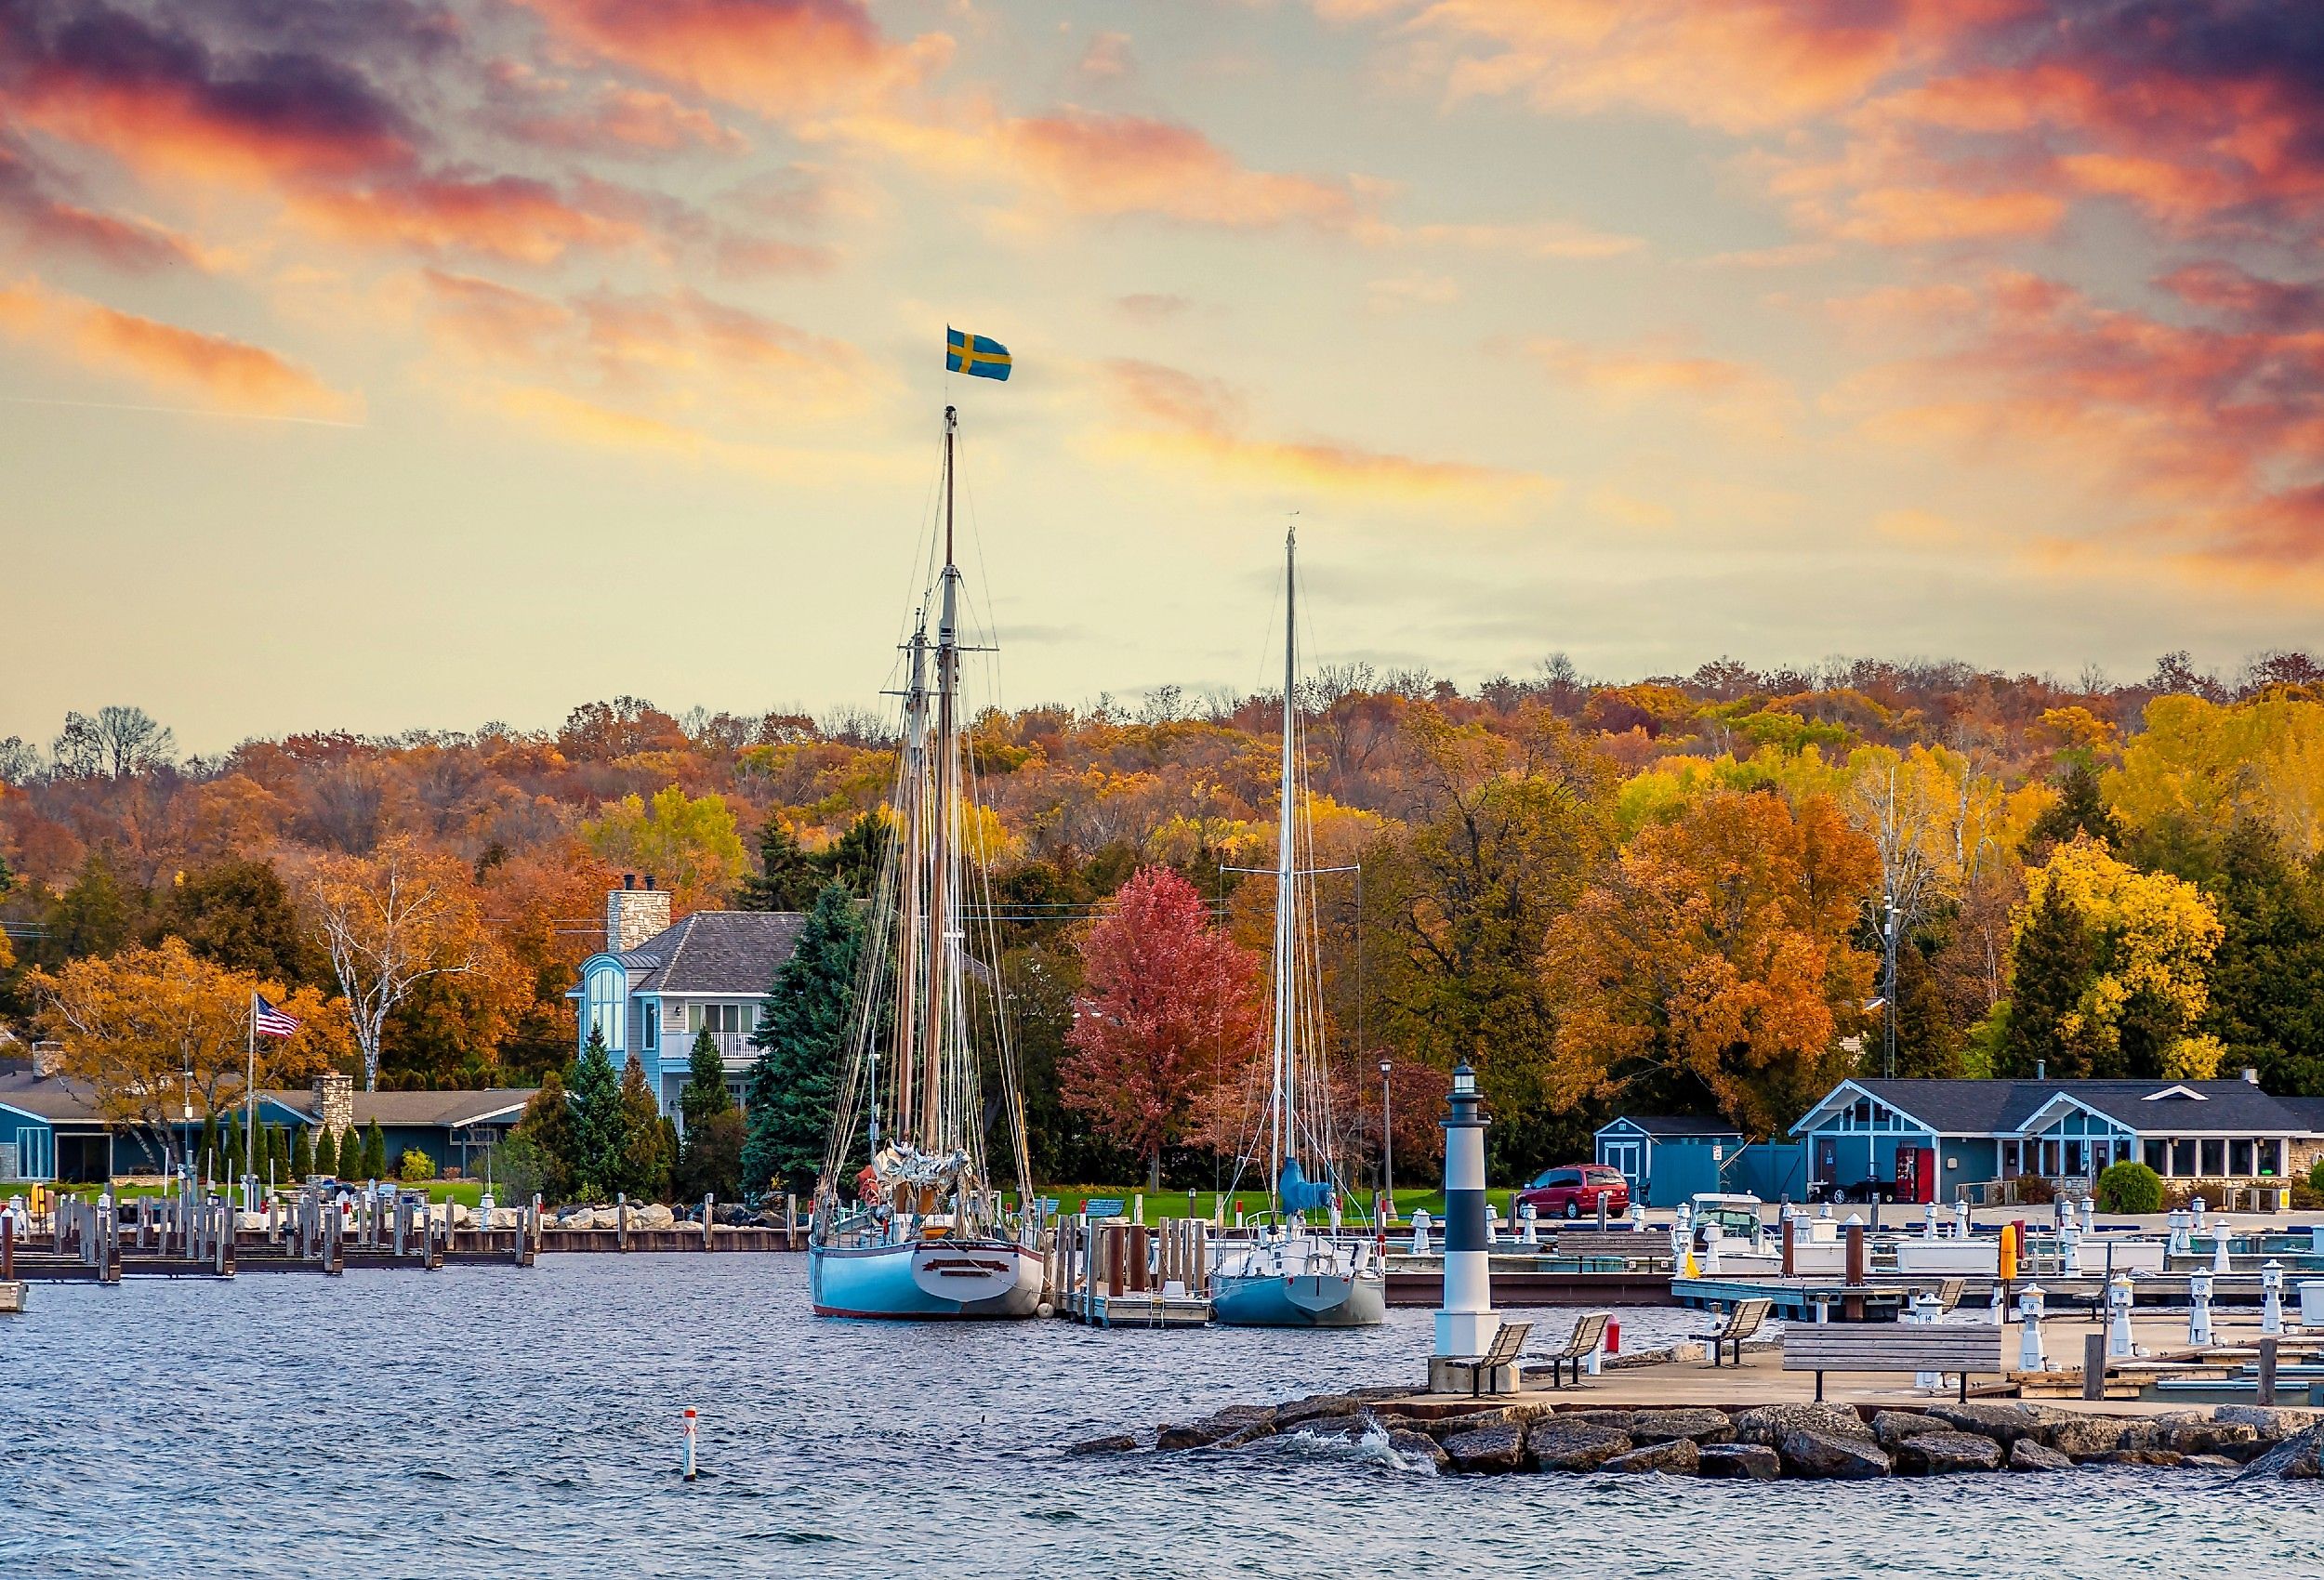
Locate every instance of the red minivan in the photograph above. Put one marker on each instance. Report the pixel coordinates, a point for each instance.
(1575, 1191)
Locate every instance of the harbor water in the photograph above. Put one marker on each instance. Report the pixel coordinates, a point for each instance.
(479, 1421)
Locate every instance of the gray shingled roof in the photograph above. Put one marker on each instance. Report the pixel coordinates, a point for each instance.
(50, 1097)
(731, 952)
(1680, 1125)
(420, 1110)
(1983, 1108)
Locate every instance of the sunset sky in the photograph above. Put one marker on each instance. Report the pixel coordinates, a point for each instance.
(390, 364)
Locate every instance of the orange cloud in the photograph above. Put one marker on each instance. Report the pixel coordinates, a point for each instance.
(507, 216)
(630, 121)
(781, 58)
(1732, 392)
(230, 374)
(1892, 216)
(1179, 414)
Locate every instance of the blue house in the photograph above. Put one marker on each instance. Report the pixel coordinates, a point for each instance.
(657, 984)
(1669, 1158)
(1922, 1140)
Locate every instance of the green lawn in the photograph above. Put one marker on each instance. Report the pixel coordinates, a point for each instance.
(1167, 1203)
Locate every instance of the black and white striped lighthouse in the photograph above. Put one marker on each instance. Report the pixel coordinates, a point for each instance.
(1466, 1322)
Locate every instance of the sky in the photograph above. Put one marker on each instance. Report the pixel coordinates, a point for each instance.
(399, 365)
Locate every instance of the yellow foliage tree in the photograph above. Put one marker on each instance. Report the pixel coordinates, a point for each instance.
(148, 1031)
(689, 842)
(2210, 764)
(392, 921)
(2107, 970)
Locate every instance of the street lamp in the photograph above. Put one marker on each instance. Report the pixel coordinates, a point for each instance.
(1387, 1146)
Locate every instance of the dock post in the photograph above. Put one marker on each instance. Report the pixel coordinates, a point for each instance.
(7, 1248)
(402, 1223)
(621, 1220)
(1851, 1305)
(1466, 1322)
(790, 1220)
(1790, 1230)
(708, 1204)
(2093, 1366)
(2268, 1369)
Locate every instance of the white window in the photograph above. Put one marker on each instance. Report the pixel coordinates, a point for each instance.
(603, 1010)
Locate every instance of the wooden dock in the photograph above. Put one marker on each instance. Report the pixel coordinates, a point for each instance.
(1532, 1286)
(1128, 1274)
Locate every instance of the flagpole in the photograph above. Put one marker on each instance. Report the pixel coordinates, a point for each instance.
(250, 1108)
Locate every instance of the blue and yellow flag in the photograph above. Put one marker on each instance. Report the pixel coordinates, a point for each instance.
(975, 356)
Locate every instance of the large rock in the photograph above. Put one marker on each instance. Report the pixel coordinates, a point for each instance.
(2082, 1437)
(1236, 1421)
(1698, 1426)
(654, 1214)
(1113, 1442)
(1618, 1419)
(2003, 1423)
(1677, 1457)
(1493, 1450)
(1945, 1454)
(1419, 1448)
(1767, 1425)
(2028, 1454)
(2195, 1431)
(1739, 1461)
(1893, 1427)
(1560, 1443)
(2273, 1424)
(2298, 1458)
(1820, 1455)
(2155, 1456)
(1289, 1417)
(1517, 1415)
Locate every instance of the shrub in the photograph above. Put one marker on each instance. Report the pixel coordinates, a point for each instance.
(415, 1168)
(2033, 1191)
(2315, 1175)
(2129, 1187)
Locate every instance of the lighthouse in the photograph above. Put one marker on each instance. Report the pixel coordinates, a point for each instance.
(1466, 1322)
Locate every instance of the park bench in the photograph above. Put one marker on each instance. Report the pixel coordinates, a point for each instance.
(1742, 1321)
(1622, 1245)
(1479, 1369)
(1588, 1334)
(1892, 1347)
(1097, 1207)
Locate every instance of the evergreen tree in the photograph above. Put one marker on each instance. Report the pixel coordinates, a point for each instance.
(539, 1154)
(230, 1147)
(375, 1152)
(709, 1159)
(853, 860)
(788, 877)
(205, 1150)
(240, 915)
(2079, 810)
(802, 1037)
(649, 1143)
(2268, 979)
(100, 914)
(2052, 961)
(595, 1158)
(303, 1159)
(350, 1154)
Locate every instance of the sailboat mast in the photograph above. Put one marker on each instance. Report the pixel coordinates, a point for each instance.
(1287, 893)
(910, 967)
(939, 963)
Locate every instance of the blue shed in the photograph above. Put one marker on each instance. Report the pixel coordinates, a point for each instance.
(1667, 1158)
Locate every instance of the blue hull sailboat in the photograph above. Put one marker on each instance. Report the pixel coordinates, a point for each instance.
(911, 1227)
(1294, 1275)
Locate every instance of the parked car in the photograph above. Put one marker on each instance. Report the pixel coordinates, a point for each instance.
(1575, 1189)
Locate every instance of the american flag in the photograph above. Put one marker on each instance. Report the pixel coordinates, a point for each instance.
(272, 1022)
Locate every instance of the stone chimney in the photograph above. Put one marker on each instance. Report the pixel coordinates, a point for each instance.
(335, 1101)
(634, 914)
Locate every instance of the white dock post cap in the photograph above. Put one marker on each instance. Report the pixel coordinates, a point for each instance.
(1855, 1219)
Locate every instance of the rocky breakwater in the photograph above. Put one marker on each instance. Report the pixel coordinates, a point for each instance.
(1763, 1443)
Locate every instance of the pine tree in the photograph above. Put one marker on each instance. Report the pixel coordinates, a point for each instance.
(596, 1155)
(788, 877)
(375, 1152)
(539, 1154)
(304, 1160)
(648, 1142)
(205, 1150)
(802, 1037)
(2079, 810)
(709, 1159)
(230, 1147)
(2053, 959)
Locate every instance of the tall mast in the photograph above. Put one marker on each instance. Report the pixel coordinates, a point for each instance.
(911, 966)
(1287, 879)
(939, 921)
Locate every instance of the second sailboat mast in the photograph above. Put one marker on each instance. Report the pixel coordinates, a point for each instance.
(940, 943)
(1287, 877)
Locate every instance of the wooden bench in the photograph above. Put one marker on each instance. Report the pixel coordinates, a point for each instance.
(1589, 1244)
(1892, 1347)
(1097, 1207)
(1588, 1333)
(1741, 1323)
(1503, 1352)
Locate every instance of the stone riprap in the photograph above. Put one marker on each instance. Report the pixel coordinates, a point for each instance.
(1768, 1442)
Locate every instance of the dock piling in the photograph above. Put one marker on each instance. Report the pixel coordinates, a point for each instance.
(2267, 1370)
(2093, 1366)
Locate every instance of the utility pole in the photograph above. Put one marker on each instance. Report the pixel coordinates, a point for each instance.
(1888, 937)
(1387, 1143)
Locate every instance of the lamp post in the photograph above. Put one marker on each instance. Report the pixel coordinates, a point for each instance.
(1387, 1145)
(1888, 1031)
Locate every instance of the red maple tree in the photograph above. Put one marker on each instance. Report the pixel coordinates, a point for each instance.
(1168, 1000)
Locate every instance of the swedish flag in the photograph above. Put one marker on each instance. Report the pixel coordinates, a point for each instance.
(975, 356)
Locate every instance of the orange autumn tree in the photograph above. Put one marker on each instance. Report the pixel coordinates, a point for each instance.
(1168, 1002)
(1716, 958)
